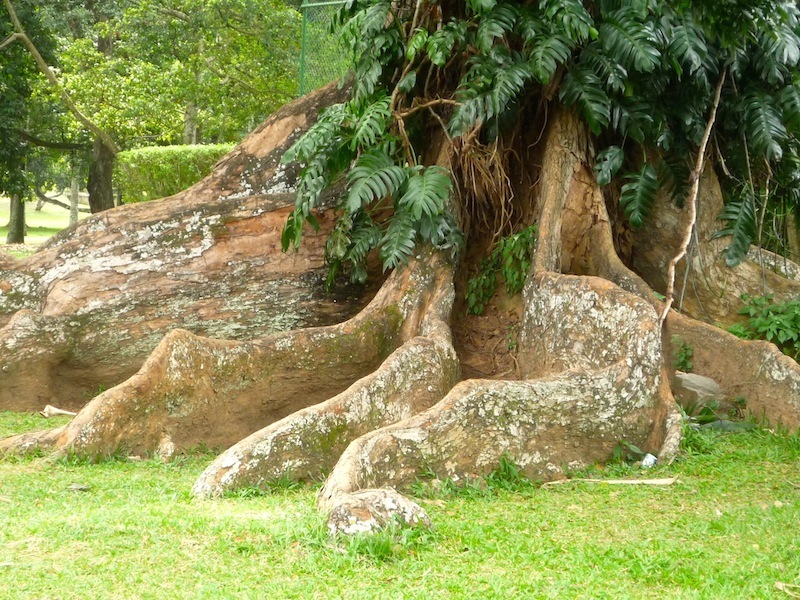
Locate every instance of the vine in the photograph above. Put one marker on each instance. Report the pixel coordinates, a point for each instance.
(643, 75)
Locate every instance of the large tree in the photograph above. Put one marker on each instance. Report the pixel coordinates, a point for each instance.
(601, 124)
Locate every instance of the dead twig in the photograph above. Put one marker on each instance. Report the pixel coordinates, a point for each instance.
(788, 589)
(665, 481)
(51, 411)
(695, 190)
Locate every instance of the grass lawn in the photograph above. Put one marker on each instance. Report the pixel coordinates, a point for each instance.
(41, 224)
(727, 529)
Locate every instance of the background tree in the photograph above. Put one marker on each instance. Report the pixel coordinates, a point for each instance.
(17, 73)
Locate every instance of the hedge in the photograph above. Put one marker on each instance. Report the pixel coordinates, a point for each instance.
(158, 171)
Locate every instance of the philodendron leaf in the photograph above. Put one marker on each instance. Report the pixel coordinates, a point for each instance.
(608, 163)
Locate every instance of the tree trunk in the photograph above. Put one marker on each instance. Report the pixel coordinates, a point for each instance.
(190, 124)
(363, 388)
(16, 221)
(100, 182)
(74, 197)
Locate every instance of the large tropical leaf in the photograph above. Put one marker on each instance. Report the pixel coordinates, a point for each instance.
(584, 89)
(495, 24)
(426, 192)
(398, 242)
(765, 131)
(608, 163)
(789, 101)
(740, 215)
(570, 17)
(630, 41)
(372, 123)
(638, 194)
(547, 52)
(611, 73)
(319, 136)
(687, 45)
(374, 176)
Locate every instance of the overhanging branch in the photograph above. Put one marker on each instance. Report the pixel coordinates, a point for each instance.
(48, 73)
(48, 144)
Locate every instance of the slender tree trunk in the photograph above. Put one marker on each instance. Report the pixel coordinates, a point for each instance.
(190, 124)
(73, 200)
(16, 224)
(101, 193)
(792, 238)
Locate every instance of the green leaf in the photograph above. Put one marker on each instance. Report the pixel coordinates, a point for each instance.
(571, 17)
(582, 88)
(547, 53)
(407, 83)
(611, 73)
(789, 101)
(397, 245)
(608, 163)
(637, 196)
(493, 25)
(374, 176)
(426, 192)
(630, 41)
(481, 6)
(371, 126)
(688, 45)
(416, 43)
(740, 215)
(765, 131)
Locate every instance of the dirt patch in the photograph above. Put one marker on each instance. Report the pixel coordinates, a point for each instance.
(487, 344)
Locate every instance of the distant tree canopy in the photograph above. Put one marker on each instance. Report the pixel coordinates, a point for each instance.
(146, 72)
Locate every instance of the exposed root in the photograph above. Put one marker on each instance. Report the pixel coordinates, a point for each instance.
(591, 392)
(194, 390)
(708, 289)
(759, 374)
(308, 443)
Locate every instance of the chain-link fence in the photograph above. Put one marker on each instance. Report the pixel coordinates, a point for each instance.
(322, 56)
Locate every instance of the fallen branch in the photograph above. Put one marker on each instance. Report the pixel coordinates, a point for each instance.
(51, 411)
(4, 499)
(665, 481)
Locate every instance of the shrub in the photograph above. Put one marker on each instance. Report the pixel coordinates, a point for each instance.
(158, 171)
(778, 323)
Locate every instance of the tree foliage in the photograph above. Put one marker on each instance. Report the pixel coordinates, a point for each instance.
(642, 74)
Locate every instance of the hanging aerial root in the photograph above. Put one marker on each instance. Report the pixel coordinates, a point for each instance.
(196, 391)
(595, 351)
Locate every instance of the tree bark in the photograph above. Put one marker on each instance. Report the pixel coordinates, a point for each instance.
(364, 388)
(16, 221)
(74, 197)
(100, 183)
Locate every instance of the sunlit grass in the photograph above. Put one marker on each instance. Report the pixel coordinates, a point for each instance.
(42, 225)
(726, 529)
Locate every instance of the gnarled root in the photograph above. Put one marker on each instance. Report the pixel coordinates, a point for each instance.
(757, 372)
(196, 391)
(308, 443)
(596, 351)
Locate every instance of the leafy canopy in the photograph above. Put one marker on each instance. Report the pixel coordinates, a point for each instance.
(642, 75)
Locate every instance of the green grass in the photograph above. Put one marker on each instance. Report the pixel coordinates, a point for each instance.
(42, 224)
(727, 529)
